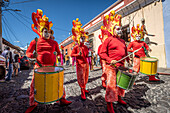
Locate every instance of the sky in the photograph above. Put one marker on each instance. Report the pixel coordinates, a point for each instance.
(16, 26)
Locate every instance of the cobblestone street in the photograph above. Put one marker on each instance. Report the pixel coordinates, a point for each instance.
(145, 97)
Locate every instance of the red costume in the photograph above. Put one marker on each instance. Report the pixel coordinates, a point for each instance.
(82, 66)
(104, 34)
(141, 53)
(138, 34)
(103, 64)
(112, 50)
(45, 49)
(80, 51)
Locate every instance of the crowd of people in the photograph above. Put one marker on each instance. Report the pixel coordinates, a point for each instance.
(12, 63)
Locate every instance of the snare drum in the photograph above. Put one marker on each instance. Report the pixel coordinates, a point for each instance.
(148, 65)
(48, 84)
(125, 78)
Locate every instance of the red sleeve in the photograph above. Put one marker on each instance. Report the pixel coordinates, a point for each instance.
(129, 47)
(57, 49)
(87, 52)
(99, 48)
(146, 46)
(74, 52)
(103, 51)
(30, 49)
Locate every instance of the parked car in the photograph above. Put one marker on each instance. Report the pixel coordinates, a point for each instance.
(25, 63)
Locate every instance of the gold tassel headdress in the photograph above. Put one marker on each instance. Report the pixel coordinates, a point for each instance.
(137, 31)
(40, 22)
(112, 20)
(78, 32)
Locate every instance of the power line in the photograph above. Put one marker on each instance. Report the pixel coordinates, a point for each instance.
(24, 2)
(21, 14)
(12, 31)
(20, 21)
(31, 23)
(5, 30)
(22, 17)
(61, 29)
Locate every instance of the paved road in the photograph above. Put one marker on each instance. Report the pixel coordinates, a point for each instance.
(145, 97)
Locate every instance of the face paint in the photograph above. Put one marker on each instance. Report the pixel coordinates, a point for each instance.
(138, 37)
(87, 44)
(118, 31)
(82, 39)
(45, 34)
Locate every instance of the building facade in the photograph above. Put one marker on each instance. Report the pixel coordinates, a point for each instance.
(151, 13)
(5, 43)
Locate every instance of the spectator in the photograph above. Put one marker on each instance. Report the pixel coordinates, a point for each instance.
(98, 60)
(92, 61)
(67, 59)
(19, 61)
(16, 64)
(94, 57)
(4, 54)
(10, 67)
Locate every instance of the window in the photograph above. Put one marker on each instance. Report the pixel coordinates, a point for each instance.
(126, 33)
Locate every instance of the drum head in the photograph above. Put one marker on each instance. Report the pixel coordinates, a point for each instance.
(127, 71)
(149, 59)
(49, 69)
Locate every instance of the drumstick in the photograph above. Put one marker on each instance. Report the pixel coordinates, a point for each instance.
(129, 55)
(36, 40)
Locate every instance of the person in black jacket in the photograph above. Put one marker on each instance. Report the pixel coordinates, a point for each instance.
(10, 67)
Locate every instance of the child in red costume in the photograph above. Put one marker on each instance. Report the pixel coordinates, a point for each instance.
(82, 66)
(80, 51)
(45, 48)
(138, 34)
(113, 49)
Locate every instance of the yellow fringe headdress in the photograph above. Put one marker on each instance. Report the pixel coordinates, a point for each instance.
(104, 33)
(112, 20)
(137, 31)
(78, 32)
(40, 22)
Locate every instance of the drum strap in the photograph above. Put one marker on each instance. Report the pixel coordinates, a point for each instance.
(39, 64)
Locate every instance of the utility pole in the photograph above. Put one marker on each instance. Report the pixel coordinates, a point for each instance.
(0, 25)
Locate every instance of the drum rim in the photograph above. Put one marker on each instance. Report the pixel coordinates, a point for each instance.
(129, 74)
(148, 74)
(48, 102)
(48, 72)
(149, 57)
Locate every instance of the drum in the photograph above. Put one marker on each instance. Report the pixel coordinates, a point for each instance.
(48, 84)
(148, 65)
(125, 78)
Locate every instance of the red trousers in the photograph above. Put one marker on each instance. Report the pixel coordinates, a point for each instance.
(112, 91)
(31, 97)
(136, 64)
(82, 74)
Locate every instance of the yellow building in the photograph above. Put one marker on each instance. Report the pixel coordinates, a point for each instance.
(133, 13)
